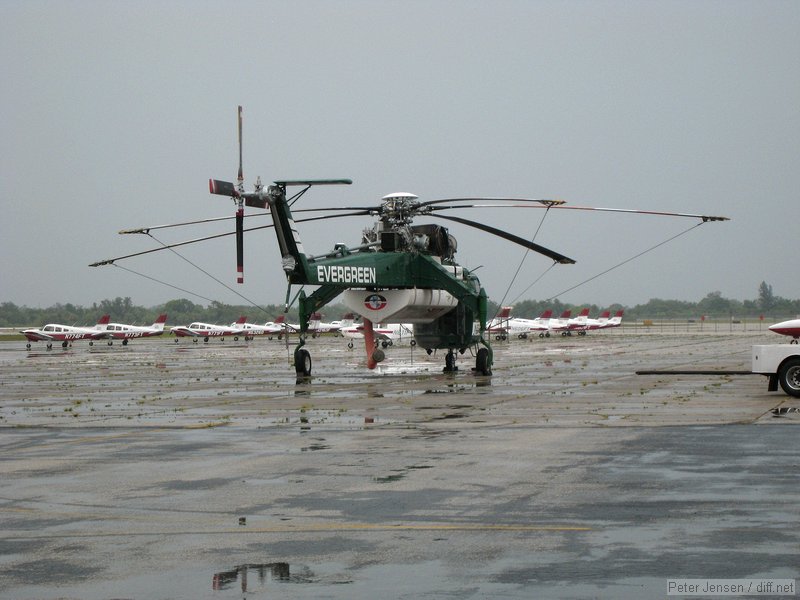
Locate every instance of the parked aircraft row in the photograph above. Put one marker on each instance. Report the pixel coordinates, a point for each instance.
(504, 326)
(105, 330)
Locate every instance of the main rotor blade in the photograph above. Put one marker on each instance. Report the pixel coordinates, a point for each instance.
(559, 258)
(705, 218)
(366, 210)
(175, 245)
(560, 205)
(212, 220)
(212, 237)
(542, 202)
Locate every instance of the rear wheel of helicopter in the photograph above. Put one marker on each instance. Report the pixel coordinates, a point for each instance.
(482, 362)
(450, 362)
(302, 362)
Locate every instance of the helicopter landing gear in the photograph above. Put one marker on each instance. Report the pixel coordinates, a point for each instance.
(482, 363)
(378, 355)
(302, 362)
(450, 362)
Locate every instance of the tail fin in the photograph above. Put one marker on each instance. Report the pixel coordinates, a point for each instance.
(242, 320)
(566, 314)
(103, 321)
(159, 323)
(505, 312)
(279, 319)
(584, 313)
(546, 314)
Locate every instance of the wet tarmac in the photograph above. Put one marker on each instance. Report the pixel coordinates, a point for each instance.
(163, 470)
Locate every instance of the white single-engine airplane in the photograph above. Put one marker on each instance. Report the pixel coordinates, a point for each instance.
(206, 330)
(384, 334)
(66, 334)
(317, 326)
(121, 331)
(504, 325)
(790, 328)
(269, 328)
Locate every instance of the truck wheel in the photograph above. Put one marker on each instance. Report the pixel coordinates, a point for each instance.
(789, 376)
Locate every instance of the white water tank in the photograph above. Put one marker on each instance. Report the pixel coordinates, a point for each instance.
(414, 305)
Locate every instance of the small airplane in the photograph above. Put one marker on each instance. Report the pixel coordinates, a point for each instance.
(790, 328)
(614, 321)
(385, 334)
(560, 324)
(270, 328)
(207, 330)
(317, 326)
(583, 323)
(121, 331)
(580, 322)
(66, 334)
(504, 325)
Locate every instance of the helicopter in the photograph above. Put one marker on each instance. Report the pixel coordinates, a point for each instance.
(400, 272)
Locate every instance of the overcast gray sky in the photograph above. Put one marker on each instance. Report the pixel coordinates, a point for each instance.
(115, 114)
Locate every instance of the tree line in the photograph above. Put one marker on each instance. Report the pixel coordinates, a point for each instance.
(182, 311)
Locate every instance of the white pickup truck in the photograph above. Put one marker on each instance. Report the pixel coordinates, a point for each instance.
(781, 362)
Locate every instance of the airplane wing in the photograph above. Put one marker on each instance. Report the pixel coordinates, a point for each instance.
(35, 335)
(184, 331)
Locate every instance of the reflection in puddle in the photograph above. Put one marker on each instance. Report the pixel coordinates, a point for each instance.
(253, 577)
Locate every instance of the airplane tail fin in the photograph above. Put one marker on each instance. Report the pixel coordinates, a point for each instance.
(546, 314)
(103, 321)
(584, 313)
(242, 320)
(159, 323)
(505, 312)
